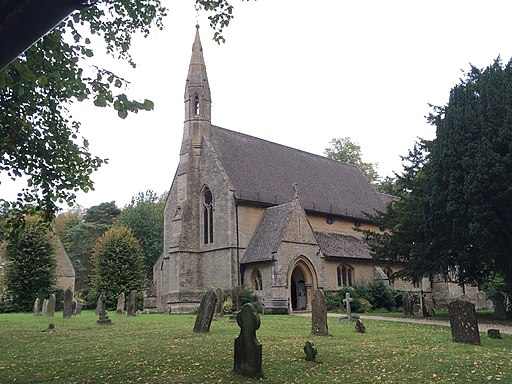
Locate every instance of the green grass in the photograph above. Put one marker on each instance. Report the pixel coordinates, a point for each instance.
(163, 349)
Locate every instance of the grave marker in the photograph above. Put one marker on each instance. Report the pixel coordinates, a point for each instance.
(68, 304)
(220, 302)
(205, 312)
(131, 303)
(463, 322)
(347, 300)
(36, 307)
(319, 314)
(310, 351)
(248, 350)
(102, 302)
(44, 309)
(120, 304)
(500, 312)
(50, 309)
(360, 328)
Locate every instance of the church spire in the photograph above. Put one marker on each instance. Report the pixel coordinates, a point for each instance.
(197, 98)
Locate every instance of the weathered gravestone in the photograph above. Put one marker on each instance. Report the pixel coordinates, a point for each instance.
(44, 309)
(36, 307)
(500, 312)
(99, 304)
(102, 300)
(463, 322)
(248, 350)
(205, 312)
(407, 305)
(68, 304)
(347, 300)
(79, 307)
(319, 314)
(50, 308)
(120, 304)
(220, 302)
(132, 303)
(74, 306)
(360, 328)
(310, 351)
(494, 333)
(237, 298)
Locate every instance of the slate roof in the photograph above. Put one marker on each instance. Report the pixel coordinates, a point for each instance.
(342, 245)
(268, 235)
(263, 172)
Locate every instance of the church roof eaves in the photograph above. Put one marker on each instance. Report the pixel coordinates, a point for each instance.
(342, 245)
(263, 172)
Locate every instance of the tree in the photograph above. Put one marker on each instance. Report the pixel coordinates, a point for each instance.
(79, 239)
(31, 267)
(405, 239)
(349, 152)
(145, 217)
(118, 263)
(470, 210)
(41, 141)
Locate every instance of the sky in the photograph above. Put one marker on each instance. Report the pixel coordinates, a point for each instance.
(298, 73)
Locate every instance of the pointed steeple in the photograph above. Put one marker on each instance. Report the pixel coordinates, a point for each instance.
(197, 97)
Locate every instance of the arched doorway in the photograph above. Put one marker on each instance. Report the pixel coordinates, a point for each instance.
(302, 281)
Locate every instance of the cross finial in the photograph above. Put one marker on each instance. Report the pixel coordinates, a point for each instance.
(295, 187)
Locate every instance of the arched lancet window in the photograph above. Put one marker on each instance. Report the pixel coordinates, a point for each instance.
(389, 273)
(208, 216)
(257, 281)
(196, 105)
(345, 275)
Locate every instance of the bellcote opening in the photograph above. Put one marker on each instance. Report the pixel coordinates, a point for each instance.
(196, 105)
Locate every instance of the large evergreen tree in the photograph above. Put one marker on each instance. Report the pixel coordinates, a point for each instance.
(31, 267)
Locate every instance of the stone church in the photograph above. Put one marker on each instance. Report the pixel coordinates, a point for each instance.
(243, 211)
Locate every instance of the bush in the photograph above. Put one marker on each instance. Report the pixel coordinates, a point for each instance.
(379, 294)
(367, 307)
(355, 305)
(333, 301)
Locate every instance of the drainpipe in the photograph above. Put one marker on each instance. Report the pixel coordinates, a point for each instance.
(239, 282)
(24, 22)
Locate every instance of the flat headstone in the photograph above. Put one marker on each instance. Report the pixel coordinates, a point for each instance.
(359, 327)
(494, 333)
(50, 308)
(463, 322)
(220, 302)
(131, 303)
(44, 309)
(103, 318)
(68, 304)
(319, 314)
(248, 350)
(500, 311)
(205, 312)
(120, 304)
(36, 311)
(310, 351)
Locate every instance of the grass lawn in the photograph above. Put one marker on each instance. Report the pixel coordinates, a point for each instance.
(163, 349)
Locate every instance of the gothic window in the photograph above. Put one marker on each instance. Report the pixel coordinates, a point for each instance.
(257, 280)
(196, 105)
(345, 275)
(208, 216)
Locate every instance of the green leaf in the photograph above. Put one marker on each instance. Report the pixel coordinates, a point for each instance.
(122, 113)
(148, 105)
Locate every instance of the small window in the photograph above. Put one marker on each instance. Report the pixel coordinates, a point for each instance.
(208, 216)
(329, 220)
(257, 280)
(357, 224)
(345, 275)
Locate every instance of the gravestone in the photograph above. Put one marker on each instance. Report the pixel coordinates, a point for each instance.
(68, 304)
(36, 307)
(99, 305)
(102, 300)
(220, 302)
(248, 350)
(205, 312)
(360, 328)
(407, 305)
(120, 304)
(310, 351)
(319, 314)
(50, 309)
(500, 312)
(463, 322)
(480, 300)
(494, 333)
(237, 298)
(132, 303)
(44, 309)
(347, 300)
(75, 306)
(79, 307)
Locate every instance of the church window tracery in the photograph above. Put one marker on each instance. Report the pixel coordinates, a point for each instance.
(208, 216)
(257, 280)
(345, 275)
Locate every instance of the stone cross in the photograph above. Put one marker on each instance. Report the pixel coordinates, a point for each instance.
(68, 304)
(102, 303)
(50, 308)
(205, 312)
(463, 322)
(347, 300)
(120, 304)
(36, 307)
(131, 303)
(319, 314)
(248, 350)
(310, 351)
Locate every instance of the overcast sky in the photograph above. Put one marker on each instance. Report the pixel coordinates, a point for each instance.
(298, 73)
